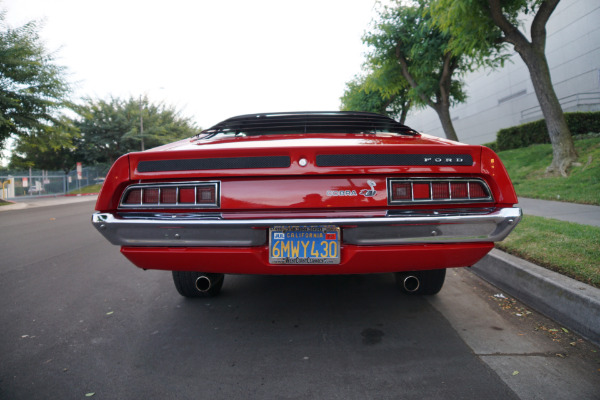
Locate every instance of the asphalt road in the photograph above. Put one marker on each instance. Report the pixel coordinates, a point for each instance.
(77, 318)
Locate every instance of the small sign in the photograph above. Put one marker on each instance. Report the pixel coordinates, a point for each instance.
(79, 170)
(25, 182)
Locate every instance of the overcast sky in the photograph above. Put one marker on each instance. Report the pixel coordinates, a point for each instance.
(211, 59)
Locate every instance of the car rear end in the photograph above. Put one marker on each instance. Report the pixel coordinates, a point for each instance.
(329, 200)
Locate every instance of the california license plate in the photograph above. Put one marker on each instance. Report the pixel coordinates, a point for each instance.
(304, 244)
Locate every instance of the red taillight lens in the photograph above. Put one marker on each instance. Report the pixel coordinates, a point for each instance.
(477, 191)
(440, 190)
(187, 195)
(168, 195)
(133, 197)
(150, 196)
(401, 191)
(205, 195)
(423, 190)
(459, 190)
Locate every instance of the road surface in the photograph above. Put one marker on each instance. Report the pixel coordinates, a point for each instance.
(78, 319)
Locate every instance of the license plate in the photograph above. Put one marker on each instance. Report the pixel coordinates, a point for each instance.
(304, 244)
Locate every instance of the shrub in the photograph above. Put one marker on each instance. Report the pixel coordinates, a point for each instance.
(535, 132)
(492, 145)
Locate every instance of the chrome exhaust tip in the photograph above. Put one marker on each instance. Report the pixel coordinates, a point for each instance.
(203, 284)
(411, 283)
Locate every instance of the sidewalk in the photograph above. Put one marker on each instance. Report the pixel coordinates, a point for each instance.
(571, 212)
(567, 301)
(47, 201)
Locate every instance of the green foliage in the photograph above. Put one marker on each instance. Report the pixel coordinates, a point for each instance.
(407, 32)
(473, 30)
(524, 135)
(567, 248)
(536, 132)
(492, 145)
(527, 169)
(582, 123)
(378, 93)
(482, 30)
(32, 88)
(111, 128)
(357, 98)
(53, 149)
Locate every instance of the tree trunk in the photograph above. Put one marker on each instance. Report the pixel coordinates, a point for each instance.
(563, 149)
(405, 108)
(443, 112)
(533, 54)
(442, 104)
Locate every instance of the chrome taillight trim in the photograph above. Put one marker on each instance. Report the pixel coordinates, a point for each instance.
(177, 185)
(431, 200)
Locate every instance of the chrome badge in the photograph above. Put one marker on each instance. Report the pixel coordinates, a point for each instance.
(369, 193)
(351, 193)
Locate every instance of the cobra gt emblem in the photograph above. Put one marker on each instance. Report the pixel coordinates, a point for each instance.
(369, 193)
(351, 193)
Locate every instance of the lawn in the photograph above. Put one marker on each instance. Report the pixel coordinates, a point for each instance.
(567, 248)
(527, 169)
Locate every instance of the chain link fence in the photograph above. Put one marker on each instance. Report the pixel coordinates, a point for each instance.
(34, 183)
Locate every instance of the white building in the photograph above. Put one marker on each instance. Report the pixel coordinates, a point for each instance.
(505, 97)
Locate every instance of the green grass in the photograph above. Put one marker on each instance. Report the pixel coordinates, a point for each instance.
(4, 203)
(87, 189)
(567, 248)
(527, 169)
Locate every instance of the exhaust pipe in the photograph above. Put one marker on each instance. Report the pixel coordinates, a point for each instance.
(411, 283)
(203, 283)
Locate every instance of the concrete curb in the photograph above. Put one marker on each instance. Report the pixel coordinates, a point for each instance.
(567, 301)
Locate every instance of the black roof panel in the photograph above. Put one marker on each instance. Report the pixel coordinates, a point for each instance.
(309, 122)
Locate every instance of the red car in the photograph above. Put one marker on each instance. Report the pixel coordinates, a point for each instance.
(307, 193)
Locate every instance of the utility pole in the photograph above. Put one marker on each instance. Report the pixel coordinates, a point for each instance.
(141, 123)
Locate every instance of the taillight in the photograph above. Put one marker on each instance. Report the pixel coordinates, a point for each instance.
(422, 190)
(166, 195)
(133, 197)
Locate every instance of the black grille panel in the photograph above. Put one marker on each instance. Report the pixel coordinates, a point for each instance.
(347, 160)
(214, 163)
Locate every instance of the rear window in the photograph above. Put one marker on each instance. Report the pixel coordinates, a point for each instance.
(309, 122)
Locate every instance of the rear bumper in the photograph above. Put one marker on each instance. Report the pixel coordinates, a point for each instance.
(354, 259)
(396, 228)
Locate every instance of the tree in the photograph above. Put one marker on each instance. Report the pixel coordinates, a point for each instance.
(111, 128)
(54, 149)
(480, 26)
(406, 37)
(32, 87)
(378, 95)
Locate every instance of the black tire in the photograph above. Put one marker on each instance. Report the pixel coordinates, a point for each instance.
(427, 282)
(185, 283)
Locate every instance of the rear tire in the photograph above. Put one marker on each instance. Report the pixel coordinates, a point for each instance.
(429, 282)
(185, 283)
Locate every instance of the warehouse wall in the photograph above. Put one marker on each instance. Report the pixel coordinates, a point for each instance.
(505, 97)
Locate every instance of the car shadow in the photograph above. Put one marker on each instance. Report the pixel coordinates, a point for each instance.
(352, 336)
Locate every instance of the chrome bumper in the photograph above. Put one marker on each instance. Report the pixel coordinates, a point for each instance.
(408, 227)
